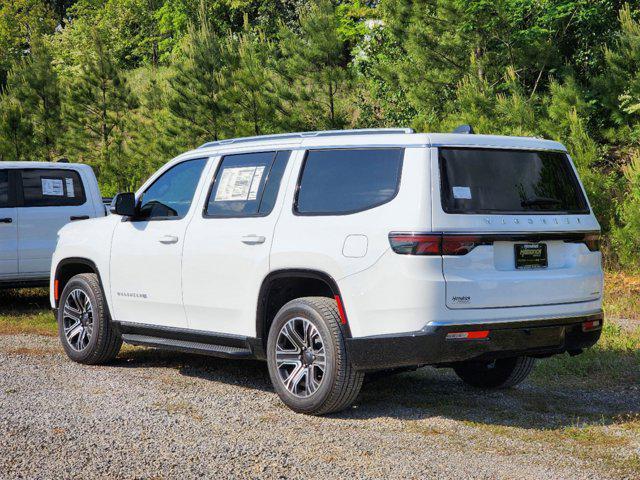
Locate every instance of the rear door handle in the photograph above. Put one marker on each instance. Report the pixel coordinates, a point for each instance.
(169, 239)
(6, 220)
(73, 218)
(253, 239)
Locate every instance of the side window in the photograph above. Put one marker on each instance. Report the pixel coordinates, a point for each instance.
(52, 188)
(247, 184)
(348, 181)
(4, 188)
(170, 196)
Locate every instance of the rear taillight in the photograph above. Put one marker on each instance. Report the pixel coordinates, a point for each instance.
(592, 241)
(461, 244)
(415, 243)
(435, 244)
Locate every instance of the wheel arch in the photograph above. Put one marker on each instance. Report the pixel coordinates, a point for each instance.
(282, 286)
(67, 268)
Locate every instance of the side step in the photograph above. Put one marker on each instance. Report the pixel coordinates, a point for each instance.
(187, 346)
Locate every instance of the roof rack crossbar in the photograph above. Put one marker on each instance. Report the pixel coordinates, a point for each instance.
(322, 133)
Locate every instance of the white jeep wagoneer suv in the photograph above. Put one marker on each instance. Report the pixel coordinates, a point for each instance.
(331, 254)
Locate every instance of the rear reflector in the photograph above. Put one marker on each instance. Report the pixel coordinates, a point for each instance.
(591, 325)
(473, 335)
(343, 316)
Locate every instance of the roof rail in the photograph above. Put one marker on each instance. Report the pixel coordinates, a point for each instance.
(320, 133)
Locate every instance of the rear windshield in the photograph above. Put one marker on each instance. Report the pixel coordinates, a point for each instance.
(508, 181)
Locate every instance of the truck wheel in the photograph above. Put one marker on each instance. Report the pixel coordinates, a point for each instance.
(308, 362)
(84, 324)
(503, 373)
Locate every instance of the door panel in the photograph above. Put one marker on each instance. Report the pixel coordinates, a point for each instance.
(8, 226)
(50, 199)
(145, 272)
(226, 252)
(146, 252)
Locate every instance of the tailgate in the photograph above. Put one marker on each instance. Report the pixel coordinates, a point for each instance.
(488, 276)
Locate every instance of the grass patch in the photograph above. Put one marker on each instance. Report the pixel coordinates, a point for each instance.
(622, 296)
(26, 311)
(613, 361)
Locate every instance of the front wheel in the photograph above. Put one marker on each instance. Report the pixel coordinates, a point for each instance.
(86, 332)
(502, 373)
(308, 363)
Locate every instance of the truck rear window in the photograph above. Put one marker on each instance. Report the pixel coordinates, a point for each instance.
(508, 181)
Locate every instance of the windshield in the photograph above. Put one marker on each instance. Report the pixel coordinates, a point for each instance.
(508, 181)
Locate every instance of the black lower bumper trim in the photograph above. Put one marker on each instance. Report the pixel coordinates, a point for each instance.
(537, 338)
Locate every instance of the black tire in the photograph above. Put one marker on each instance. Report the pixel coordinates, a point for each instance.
(340, 383)
(104, 341)
(503, 373)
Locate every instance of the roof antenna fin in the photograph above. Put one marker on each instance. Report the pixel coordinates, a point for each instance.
(464, 129)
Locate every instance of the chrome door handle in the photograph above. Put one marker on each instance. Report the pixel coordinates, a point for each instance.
(253, 239)
(169, 239)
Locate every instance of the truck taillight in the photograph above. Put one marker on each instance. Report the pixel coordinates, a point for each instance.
(416, 243)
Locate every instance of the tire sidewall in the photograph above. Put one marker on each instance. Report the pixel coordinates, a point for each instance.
(312, 403)
(79, 283)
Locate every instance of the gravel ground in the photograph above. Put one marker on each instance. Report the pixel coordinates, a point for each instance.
(153, 414)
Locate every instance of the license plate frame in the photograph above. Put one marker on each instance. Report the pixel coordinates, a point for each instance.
(531, 256)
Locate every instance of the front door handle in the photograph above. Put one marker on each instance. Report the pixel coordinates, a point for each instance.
(73, 218)
(253, 239)
(169, 239)
(6, 220)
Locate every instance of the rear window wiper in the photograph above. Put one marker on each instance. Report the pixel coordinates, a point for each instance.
(540, 202)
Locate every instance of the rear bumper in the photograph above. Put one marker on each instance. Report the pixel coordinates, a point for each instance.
(537, 338)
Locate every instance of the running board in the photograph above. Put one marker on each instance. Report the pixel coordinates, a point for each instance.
(187, 346)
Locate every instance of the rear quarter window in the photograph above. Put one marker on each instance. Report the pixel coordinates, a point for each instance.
(52, 188)
(338, 182)
(509, 181)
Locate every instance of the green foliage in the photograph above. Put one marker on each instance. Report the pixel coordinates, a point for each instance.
(97, 105)
(142, 80)
(196, 90)
(315, 68)
(250, 84)
(20, 21)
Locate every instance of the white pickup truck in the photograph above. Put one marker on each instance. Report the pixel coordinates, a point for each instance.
(36, 200)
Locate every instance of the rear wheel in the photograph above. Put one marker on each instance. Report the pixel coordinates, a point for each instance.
(86, 332)
(502, 373)
(308, 362)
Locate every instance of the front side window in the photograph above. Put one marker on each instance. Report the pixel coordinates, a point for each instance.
(170, 196)
(4, 188)
(247, 184)
(508, 181)
(52, 188)
(348, 181)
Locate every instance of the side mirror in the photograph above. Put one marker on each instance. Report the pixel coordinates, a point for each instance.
(124, 204)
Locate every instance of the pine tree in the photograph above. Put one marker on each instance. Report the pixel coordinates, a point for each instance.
(35, 84)
(16, 132)
(315, 72)
(97, 105)
(250, 85)
(196, 98)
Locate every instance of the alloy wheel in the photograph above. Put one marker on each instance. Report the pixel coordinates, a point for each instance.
(77, 319)
(300, 357)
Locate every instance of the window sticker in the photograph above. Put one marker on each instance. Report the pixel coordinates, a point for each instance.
(52, 187)
(237, 184)
(70, 191)
(462, 193)
(255, 183)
